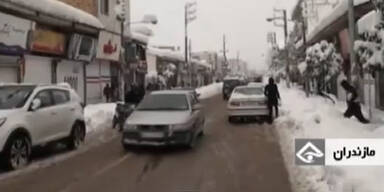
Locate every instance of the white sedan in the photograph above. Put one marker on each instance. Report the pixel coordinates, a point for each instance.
(249, 102)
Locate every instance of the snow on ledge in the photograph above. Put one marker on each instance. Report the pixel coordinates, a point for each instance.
(140, 37)
(368, 22)
(60, 10)
(336, 13)
(209, 90)
(166, 53)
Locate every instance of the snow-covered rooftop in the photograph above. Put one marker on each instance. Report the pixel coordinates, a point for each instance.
(139, 37)
(336, 13)
(201, 63)
(60, 10)
(166, 53)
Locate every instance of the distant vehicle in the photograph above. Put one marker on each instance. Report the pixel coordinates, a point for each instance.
(230, 84)
(33, 115)
(256, 84)
(173, 117)
(258, 79)
(249, 102)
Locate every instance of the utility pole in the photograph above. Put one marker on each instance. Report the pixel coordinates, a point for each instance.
(286, 45)
(225, 51)
(191, 63)
(352, 27)
(189, 16)
(238, 61)
(285, 26)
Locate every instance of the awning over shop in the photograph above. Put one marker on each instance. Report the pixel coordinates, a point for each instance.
(202, 64)
(140, 38)
(166, 54)
(52, 12)
(338, 20)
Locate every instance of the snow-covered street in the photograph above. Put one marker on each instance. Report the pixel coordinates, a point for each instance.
(317, 117)
(230, 157)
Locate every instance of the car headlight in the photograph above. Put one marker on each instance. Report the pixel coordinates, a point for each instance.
(178, 127)
(234, 103)
(129, 127)
(2, 121)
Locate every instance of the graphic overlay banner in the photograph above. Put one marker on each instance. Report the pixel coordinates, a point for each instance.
(339, 152)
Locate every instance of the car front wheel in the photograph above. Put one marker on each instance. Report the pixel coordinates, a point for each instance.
(77, 137)
(17, 152)
(231, 119)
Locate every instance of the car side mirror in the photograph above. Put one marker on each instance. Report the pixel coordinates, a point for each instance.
(36, 104)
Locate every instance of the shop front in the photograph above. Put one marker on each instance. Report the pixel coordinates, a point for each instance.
(105, 68)
(13, 44)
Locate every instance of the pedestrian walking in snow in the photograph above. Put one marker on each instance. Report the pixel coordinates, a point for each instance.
(107, 93)
(354, 108)
(272, 93)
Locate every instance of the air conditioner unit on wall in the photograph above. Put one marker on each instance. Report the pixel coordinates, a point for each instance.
(82, 48)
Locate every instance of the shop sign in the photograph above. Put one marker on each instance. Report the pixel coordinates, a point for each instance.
(13, 34)
(48, 41)
(109, 46)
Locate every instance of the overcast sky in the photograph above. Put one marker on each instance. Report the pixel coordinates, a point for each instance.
(243, 22)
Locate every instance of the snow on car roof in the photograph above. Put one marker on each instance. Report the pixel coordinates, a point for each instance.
(253, 84)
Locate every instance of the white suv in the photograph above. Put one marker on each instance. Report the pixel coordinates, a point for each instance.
(36, 115)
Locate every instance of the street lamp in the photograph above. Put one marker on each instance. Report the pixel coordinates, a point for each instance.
(189, 16)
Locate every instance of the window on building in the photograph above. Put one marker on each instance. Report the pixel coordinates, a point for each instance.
(104, 7)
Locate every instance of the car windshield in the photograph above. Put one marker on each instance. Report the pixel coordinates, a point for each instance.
(14, 96)
(250, 91)
(164, 102)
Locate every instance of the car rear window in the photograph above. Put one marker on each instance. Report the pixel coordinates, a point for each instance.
(250, 91)
(164, 102)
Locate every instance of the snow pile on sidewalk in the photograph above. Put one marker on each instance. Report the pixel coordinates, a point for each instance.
(209, 90)
(99, 116)
(316, 117)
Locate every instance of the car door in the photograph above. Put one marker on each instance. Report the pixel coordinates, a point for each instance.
(196, 114)
(42, 119)
(64, 109)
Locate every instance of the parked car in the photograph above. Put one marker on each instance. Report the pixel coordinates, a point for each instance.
(249, 102)
(33, 115)
(229, 85)
(165, 118)
(256, 84)
(191, 89)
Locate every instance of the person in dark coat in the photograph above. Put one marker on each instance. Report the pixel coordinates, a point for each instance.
(107, 93)
(354, 108)
(272, 93)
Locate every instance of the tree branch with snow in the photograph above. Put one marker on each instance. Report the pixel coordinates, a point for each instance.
(322, 63)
